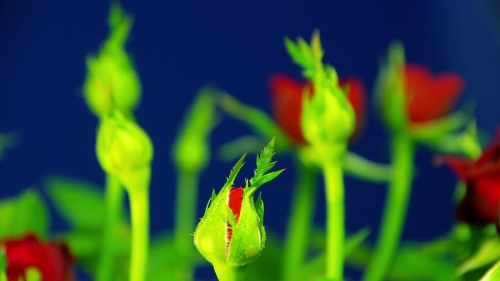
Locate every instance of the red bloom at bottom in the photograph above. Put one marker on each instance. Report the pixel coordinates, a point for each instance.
(53, 260)
(482, 178)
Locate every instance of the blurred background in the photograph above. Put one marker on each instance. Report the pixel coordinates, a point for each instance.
(179, 46)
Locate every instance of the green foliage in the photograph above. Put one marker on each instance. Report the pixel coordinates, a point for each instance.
(24, 213)
(80, 203)
(3, 261)
(493, 273)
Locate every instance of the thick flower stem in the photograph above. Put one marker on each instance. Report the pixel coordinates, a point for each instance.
(139, 207)
(113, 208)
(185, 219)
(335, 231)
(402, 149)
(225, 272)
(299, 223)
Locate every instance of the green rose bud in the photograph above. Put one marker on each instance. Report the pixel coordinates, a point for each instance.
(123, 148)
(231, 233)
(111, 80)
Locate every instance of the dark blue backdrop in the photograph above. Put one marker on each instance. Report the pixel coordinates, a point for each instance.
(179, 46)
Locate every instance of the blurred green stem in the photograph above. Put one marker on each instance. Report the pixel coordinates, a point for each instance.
(335, 231)
(402, 149)
(113, 208)
(299, 223)
(225, 272)
(185, 218)
(139, 207)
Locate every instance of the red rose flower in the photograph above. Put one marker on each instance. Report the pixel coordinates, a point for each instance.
(482, 178)
(286, 99)
(53, 260)
(430, 97)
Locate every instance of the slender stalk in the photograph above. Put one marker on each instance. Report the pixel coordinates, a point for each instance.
(225, 272)
(113, 208)
(300, 220)
(402, 149)
(185, 219)
(335, 230)
(139, 207)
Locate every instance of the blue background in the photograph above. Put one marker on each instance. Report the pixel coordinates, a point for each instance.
(179, 46)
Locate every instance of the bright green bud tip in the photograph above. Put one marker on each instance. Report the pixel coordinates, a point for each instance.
(122, 146)
(112, 81)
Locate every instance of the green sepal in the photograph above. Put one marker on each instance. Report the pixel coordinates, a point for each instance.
(259, 207)
(264, 164)
(234, 172)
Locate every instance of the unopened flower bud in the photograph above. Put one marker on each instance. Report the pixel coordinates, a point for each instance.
(122, 146)
(231, 232)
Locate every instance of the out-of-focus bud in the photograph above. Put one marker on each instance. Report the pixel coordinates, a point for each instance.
(191, 150)
(122, 148)
(112, 81)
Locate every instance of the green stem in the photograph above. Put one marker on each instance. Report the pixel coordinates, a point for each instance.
(113, 208)
(185, 219)
(300, 220)
(139, 207)
(402, 149)
(335, 231)
(230, 273)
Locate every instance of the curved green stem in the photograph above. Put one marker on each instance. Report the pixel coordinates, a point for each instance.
(230, 273)
(113, 208)
(402, 149)
(185, 219)
(139, 207)
(335, 230)
(299, 223)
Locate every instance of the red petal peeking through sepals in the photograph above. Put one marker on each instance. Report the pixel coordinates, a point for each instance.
(480, 204)
(286, 100)
(430, 97)
(234, 201)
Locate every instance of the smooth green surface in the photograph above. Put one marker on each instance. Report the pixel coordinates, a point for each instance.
(398, 195)
(225, 272)
(300, 220)
(114, 193)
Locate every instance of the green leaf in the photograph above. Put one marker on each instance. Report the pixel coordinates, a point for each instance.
(80, 203)
(234, 172)
(493, 273)
(259, 207)
(488, 253)
(24, 213)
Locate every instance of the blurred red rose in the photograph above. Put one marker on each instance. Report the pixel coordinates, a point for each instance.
(430, 97)
(480, 204)
(53, 260)
(286, 99)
